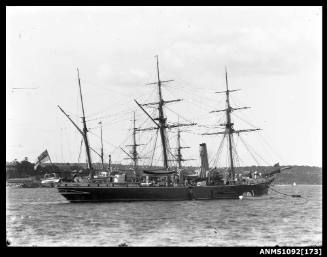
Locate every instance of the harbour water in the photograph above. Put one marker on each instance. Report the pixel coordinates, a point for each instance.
(42, 217)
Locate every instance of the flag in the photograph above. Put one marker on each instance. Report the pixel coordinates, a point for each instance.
(43, 157)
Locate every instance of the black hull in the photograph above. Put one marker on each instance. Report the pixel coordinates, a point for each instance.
(108, 193)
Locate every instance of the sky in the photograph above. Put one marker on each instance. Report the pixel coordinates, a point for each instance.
(273, 54)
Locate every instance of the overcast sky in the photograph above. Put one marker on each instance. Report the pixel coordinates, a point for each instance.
(274, 54)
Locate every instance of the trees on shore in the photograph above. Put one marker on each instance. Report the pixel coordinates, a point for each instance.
(24, 169)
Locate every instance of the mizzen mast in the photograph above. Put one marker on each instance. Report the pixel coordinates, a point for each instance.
(229, 129)
(229, 126)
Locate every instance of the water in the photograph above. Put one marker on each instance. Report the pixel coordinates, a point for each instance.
(42, 217)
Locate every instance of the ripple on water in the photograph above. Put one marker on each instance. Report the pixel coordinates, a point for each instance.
(267, 221)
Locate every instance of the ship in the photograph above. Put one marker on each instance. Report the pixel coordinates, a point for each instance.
(167, 183)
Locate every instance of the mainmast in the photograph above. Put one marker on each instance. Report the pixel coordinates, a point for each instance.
(162, 120)
(162, 125)
(229, 130)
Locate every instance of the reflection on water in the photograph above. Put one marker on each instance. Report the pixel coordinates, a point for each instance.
(42, 217)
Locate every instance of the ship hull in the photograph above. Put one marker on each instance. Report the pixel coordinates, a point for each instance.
(109, 193)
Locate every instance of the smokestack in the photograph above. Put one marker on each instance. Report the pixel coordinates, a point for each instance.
(204, 160)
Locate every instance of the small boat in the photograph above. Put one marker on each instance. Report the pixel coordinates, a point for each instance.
(50, 180)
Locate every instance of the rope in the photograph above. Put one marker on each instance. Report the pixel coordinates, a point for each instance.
(80, 148)
(215, 160)
(218, 122)
(270, 147)
(118, 114)
(251, 125)
(249, 150)
(299, 196)
(154, 149)
(116, 147)
(103, 110)
(193, 95)
(147, 145)
(236, 154)
(178, 114)
(198, 104)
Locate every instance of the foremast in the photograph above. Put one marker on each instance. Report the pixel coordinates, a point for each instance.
(229, 127)
(84, 131)
(162, 121)
(87, 147)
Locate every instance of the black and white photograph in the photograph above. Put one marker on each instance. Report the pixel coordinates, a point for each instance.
(164, 126)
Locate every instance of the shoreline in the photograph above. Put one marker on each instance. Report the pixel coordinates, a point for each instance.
(20, 186)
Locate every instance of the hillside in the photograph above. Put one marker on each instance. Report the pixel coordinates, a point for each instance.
(300, 175)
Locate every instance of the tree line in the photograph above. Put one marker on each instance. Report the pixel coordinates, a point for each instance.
(299, 174)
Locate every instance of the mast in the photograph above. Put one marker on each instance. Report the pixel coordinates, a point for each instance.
(101, 146)
(179, 155)
(133, 154)
(134, 144)
(162, 120)
(162, 125)
(84, 131)
(109, 164)
(87, 147)
(229, 130)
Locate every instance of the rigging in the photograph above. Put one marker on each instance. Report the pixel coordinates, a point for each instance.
(229, 128)
(161, 125)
